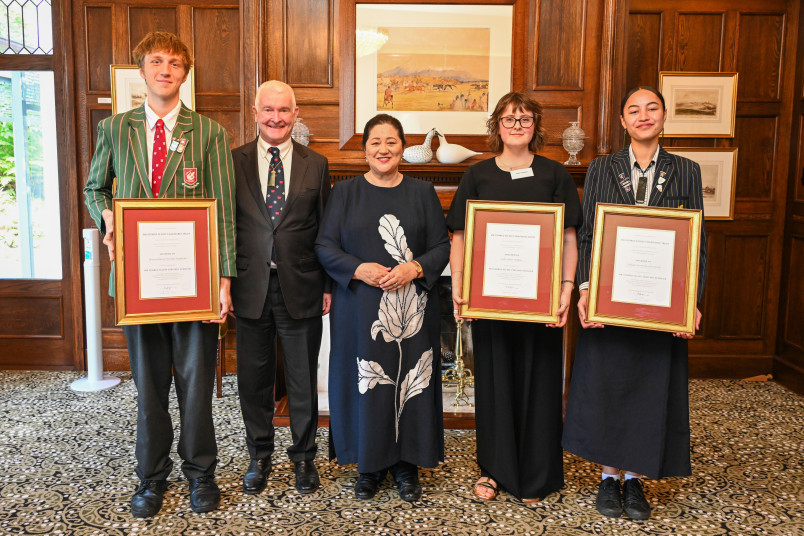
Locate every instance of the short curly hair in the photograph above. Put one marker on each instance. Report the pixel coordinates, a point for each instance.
(164, 41)
(523, 101)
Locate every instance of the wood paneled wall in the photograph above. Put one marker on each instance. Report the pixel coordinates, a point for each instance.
(789, 364)
(758, 41)
(578, 56)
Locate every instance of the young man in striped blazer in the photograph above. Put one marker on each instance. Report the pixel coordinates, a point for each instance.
(164, 150)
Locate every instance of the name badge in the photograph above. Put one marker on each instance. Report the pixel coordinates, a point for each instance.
(521, 173)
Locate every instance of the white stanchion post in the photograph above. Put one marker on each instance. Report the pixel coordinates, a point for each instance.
(95, 380)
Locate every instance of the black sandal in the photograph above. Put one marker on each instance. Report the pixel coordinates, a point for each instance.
(487, 485)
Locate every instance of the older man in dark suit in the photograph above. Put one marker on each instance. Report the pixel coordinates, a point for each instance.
(282, 188)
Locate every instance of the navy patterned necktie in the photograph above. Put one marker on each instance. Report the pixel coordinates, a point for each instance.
(275, 194)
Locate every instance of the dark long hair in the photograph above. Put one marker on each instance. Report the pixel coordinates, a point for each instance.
(383, 119)
(646, 88)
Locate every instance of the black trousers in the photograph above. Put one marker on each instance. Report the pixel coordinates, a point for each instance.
(256, 375)
(159, 354)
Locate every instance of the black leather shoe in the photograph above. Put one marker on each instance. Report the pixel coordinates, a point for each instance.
(306, 476)
(634, 503)
(205, 495)
(366, 486)
(147, 501)
(256, 476)
(609, 501)
(409, 488)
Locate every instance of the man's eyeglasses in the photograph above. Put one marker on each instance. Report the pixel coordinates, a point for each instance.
(524, 122)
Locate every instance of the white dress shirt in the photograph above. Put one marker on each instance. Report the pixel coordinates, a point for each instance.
(264, 159)
(170, 123)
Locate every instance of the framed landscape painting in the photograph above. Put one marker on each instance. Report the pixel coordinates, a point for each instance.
(699, 105)
(718, 175)
(431, 65)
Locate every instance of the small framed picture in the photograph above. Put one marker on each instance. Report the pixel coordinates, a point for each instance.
(644, 271)
(512, 260)
(718, 175)
(128, 88)
(699, 105)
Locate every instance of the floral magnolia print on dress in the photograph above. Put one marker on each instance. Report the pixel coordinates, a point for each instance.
(400, 315)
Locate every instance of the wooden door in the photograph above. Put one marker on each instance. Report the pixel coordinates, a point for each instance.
(40, 289)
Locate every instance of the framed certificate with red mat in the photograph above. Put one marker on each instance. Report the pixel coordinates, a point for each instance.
(166, 260)
(512, 260)
(644, 268)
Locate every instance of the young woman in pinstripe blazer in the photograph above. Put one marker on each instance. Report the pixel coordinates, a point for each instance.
(628, 404)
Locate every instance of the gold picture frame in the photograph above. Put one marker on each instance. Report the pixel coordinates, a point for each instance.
(651, 295)
(166, 260)
(128, 88)
(354, 77)
(699, 105)
(718, 175)
(500, 289)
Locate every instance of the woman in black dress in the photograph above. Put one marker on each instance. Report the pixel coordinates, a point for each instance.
(518, 365)
(628, 406)
(384, 242)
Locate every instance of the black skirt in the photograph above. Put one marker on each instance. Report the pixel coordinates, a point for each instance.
(628, 403)
(518, 371)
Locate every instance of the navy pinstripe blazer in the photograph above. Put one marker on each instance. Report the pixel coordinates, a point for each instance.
(604, 184)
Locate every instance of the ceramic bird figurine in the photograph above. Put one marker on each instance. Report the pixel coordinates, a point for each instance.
(451, 153)
(420, 154)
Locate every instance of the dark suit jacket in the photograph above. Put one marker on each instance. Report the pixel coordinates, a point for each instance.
(302, 278)
(682, 188)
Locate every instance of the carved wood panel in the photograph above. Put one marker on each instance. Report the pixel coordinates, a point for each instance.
(216, 40)
(759, 52)
(561, 33)
(758, 135)
(142, 20)
(644, 38)
(99, 18)
(793, 332)
(743, 306)
(308, 54)
(699, 41)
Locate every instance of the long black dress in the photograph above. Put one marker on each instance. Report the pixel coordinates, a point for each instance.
(518, 365)
(384, 372)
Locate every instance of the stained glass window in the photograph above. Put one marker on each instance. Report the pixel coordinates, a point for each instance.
(26, 27)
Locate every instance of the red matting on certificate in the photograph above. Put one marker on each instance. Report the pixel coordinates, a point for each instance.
(674, 313)
(199, 302)
(541, 304)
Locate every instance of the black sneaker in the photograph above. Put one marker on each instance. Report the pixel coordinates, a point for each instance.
(147, 501)
(608, 500)
(634, 502)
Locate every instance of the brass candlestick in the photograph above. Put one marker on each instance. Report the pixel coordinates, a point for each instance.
(460, 377)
